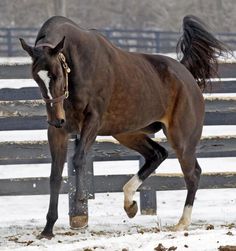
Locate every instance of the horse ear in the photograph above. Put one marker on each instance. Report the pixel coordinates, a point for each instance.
(58, 48)
(26, 47)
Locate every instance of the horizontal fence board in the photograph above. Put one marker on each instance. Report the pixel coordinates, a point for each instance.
(225, 70)
(30, 93)
(35, 107)
(115, 183)
(38, 151)
(25, 93)
(222, 86)
(39, 122)
(220, 104)
(220, 118)
(31, 114)
(23, 123)
(15, 71)
(28, 186)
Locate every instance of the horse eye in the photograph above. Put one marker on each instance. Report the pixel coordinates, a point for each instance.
(52, 77)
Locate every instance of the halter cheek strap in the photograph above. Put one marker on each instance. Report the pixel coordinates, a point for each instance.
(67, 70)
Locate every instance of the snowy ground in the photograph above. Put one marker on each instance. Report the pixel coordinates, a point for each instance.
(22, 219)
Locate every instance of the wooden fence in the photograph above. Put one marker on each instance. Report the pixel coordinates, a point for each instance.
(150, 41)
(23, 109)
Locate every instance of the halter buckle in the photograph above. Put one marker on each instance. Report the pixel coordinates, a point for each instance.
(66, 94)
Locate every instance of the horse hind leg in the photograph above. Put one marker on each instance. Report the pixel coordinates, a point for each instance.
(153, 153)
(185, 150)
(192, 172)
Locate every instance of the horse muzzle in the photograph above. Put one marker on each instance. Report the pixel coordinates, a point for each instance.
(58, 123)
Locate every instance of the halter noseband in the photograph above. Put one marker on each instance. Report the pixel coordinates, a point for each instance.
(67, 70)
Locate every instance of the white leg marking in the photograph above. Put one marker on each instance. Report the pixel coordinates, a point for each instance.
(130, 188)
(185, 220)
(44, 76)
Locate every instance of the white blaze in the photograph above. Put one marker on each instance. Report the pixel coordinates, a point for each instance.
(44, 76)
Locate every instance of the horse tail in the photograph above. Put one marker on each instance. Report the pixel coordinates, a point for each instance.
(200, 50)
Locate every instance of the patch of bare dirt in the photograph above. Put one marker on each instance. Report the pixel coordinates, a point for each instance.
(160, 247)
(227, 248)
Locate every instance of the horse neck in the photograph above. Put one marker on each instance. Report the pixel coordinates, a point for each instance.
(81, 49)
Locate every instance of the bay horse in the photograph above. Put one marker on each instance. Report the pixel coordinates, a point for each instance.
(91, 87)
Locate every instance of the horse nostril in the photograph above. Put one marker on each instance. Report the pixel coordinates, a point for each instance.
(57, 123)
(62, 121)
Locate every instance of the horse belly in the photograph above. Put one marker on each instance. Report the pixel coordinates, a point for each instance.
(131, 117)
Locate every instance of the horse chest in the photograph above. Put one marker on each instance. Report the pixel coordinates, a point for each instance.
(74, 120)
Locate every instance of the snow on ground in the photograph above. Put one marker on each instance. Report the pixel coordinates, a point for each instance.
(23, 217)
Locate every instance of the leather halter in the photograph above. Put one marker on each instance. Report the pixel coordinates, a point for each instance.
(67, 70)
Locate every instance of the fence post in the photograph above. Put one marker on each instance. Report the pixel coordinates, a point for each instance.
(78, 214)
(158, 41)
(148, 203)
(9, 43)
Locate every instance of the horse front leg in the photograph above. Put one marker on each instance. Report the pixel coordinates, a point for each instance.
(79, 216)
(58, 140)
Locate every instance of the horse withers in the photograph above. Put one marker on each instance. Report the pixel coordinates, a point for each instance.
(91, 87)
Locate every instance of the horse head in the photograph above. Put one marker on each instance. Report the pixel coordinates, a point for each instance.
(50, 71)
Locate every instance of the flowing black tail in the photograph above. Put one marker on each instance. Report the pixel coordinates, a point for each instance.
(200, 50)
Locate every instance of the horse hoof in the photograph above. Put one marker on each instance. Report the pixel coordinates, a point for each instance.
(44, 235)
(179, 227)
(78, 222)
(131, 210)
